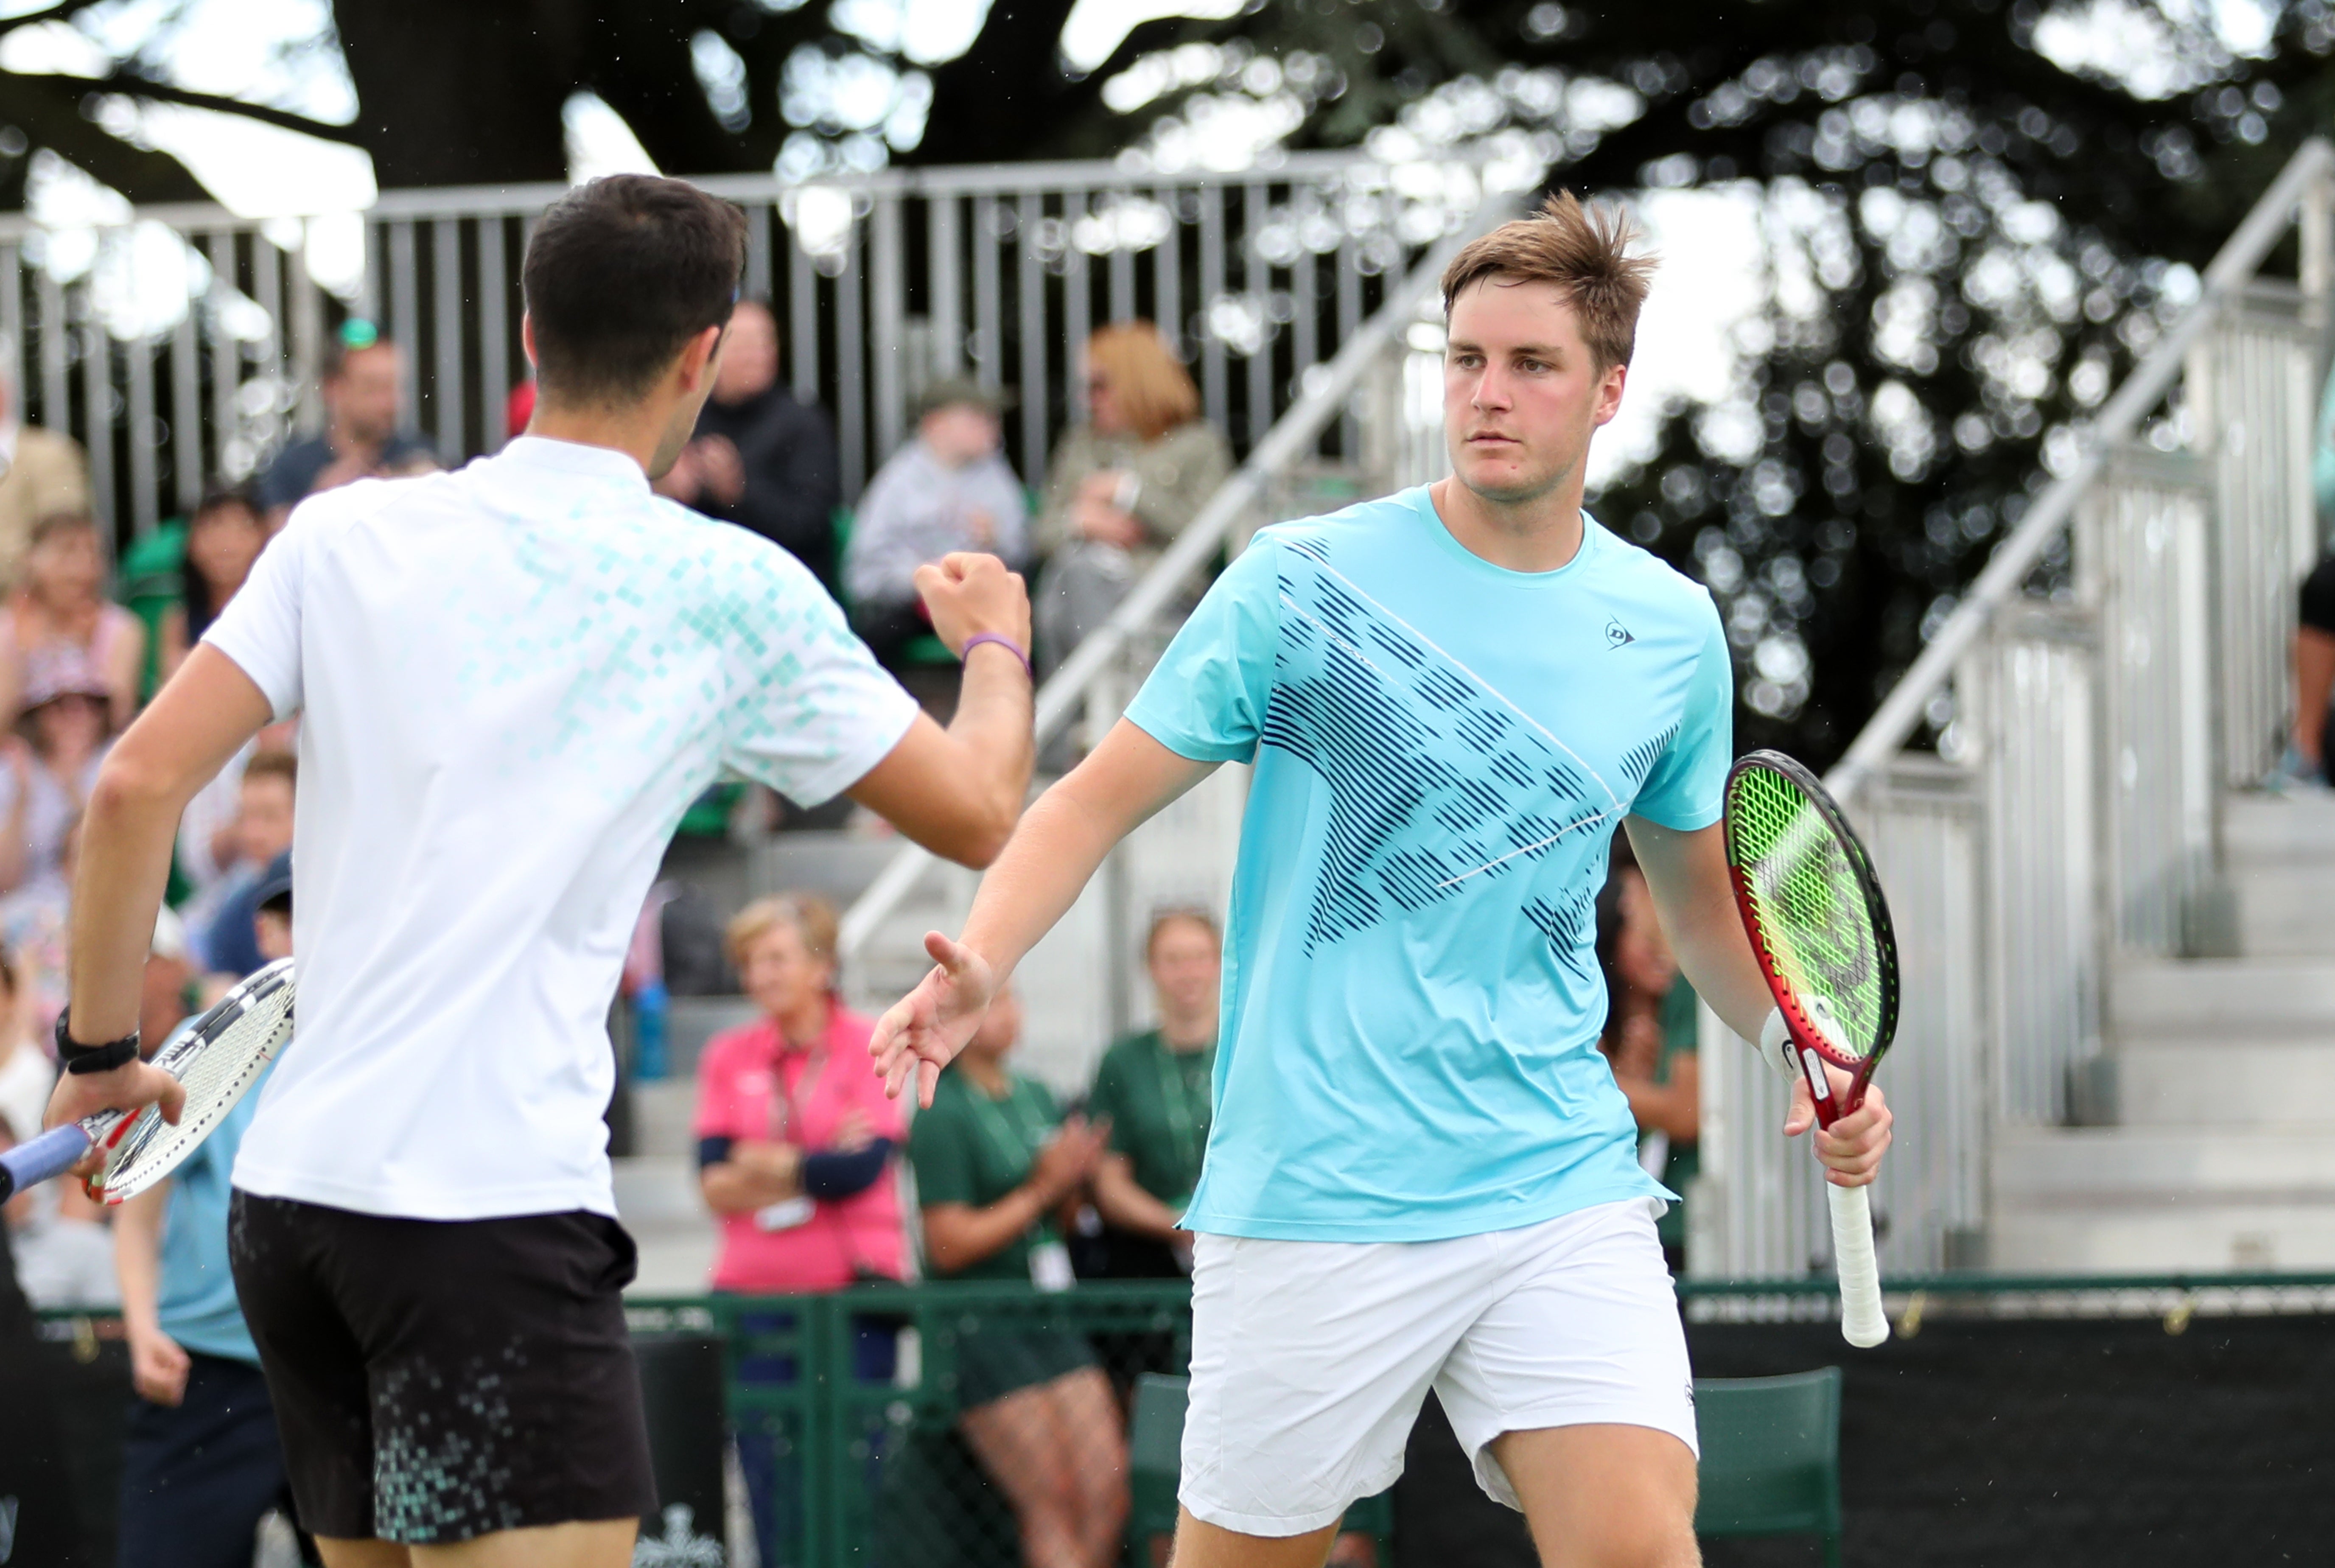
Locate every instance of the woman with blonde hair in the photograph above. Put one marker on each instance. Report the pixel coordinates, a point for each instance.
(795, 1142)
(1123, 483)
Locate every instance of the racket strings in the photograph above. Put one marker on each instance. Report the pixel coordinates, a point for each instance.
(215, 1067)
(1808, 904)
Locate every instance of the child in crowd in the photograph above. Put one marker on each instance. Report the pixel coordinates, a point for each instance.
(222, 919)
(201, 1464)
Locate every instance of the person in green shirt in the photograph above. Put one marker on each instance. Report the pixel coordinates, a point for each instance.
(995, 1162)
(1650, 1038)
(1156, 1090)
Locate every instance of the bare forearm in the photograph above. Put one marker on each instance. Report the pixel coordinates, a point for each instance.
(1687, 874)
(1672, 1109)
(992, 727)
(118, 884)
(136, 1253)
(1124, 1203)
(757, 1174)
(2314, 677)
(959, 1235)
(1047, 863)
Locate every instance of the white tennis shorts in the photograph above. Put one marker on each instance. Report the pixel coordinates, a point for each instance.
(1310, 1360)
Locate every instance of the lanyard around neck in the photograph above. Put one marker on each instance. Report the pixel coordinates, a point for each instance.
(1184, 1130)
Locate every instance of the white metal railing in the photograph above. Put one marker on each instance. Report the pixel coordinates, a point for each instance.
(1372, 369)
(2071, 816)
(181, 343)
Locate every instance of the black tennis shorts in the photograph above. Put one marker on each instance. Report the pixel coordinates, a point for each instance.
(438, 1381)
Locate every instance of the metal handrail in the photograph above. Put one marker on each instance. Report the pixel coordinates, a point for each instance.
(1290, 439)
(1901, 711)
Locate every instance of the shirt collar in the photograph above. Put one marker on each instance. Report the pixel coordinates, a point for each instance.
(573, 460)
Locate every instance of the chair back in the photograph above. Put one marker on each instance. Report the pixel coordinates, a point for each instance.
(1771, 1454)
(1155, 1453)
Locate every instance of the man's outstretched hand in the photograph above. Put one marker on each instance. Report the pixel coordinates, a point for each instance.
(922, 1033)
(1851, 1148)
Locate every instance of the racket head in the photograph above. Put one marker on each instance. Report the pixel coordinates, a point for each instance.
(217, 1059)
(1814, 911)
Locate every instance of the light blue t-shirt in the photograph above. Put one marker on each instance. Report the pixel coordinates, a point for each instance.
(197, 1306)
(1443, 750)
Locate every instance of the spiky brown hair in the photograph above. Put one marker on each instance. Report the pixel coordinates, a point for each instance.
(1584, 251)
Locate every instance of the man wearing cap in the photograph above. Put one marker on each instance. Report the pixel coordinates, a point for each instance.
(202, 1463)
(948, 489)
(363, 388)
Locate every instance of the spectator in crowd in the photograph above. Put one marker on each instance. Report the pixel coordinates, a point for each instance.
(64, 1250)
(221, 918)
(795, 1138)
(948, 489)
(364, 389)
(1155, 1090)
(1124, 483)
(61, 605)
(27, 1072)
(42, 472)
(795, 1149)
(759, 459)
(65, 727)
(201, 1462)
(224, 537)
(995, 1165)
(1651, 1022)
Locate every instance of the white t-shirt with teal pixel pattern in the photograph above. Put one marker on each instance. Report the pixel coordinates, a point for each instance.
(1443, 749)
(513, 679)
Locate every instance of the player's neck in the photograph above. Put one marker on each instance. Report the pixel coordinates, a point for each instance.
(1537, 535)
(804, 1026)
(635, 431)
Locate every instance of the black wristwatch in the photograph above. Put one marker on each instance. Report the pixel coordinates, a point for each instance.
(80, 1058)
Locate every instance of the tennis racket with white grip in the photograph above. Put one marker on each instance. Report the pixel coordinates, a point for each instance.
(218, 1058)
(1815, 913)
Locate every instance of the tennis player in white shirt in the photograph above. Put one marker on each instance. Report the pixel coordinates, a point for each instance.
(513, 679)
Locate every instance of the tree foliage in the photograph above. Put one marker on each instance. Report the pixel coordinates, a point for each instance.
(1969, 227)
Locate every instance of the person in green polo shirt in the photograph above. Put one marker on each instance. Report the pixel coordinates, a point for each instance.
(995, 1162)
(1649, 1039)
(1156, 1090)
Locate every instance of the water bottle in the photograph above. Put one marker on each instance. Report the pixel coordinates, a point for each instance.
(650, 1010)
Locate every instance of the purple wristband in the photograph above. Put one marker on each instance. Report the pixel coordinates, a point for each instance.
(1003, 641)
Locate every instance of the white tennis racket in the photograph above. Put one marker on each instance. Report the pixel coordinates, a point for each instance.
(217, 1059)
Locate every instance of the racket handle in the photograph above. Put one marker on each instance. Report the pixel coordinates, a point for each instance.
(1862, 1323)
(53, 1152)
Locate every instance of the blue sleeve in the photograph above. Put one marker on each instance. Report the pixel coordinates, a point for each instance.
(829, 1173)
(1206, 699)
(1686, 787)
(714, 1151)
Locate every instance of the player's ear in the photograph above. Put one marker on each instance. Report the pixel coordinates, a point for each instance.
(1609, 392)
(702, 356)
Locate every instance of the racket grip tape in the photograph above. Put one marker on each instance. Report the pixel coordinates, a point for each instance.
(53, 1152)
(1862, 1321)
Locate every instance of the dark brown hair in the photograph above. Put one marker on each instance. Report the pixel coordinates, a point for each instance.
(1581, 249)
(620, 274)
(273, 765)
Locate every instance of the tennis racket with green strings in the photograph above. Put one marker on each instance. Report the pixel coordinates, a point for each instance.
(1815, 913)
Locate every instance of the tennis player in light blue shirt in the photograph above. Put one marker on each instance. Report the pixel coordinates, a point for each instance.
(1421, 1171)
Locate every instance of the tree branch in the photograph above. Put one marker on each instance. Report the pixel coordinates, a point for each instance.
(134, 86)
(34, 18)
